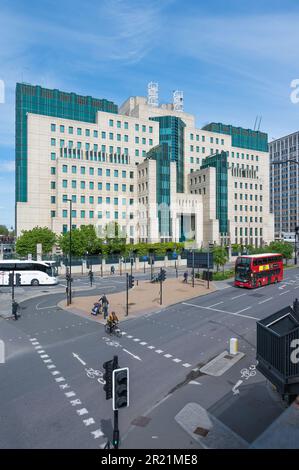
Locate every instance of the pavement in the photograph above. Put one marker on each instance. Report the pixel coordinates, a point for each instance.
(143, 298)
(52, 379)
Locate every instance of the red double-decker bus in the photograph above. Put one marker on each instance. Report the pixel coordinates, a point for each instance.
(258, 270)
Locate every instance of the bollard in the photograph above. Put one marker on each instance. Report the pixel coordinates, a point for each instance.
(233, 346)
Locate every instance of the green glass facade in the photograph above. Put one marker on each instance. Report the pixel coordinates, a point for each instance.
(244, 138)
(162, 155)
(171, 132)
(219, 161)
(56, 103)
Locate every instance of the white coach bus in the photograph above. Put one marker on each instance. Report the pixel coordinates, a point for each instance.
(33, 273)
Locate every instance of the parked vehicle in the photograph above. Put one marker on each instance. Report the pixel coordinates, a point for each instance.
(32, 273)
(258, 270)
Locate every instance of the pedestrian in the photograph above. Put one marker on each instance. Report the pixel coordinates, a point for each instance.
(90, 274)
(105, 305)
(112, 270)
(185, 277)
(15, 308)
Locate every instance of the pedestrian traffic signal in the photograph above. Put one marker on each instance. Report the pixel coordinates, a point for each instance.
(163, 275)
(120, 388)
(131, 281)
(11, 279)
(108, 367)
(18, 279)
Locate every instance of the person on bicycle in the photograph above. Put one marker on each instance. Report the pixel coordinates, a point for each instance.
(112, 321)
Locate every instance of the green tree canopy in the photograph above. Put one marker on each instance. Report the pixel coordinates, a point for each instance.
(285, 248)
(27, 241)
(4, 230)
(220, 256)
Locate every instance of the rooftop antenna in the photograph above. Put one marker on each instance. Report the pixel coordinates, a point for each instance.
(153, 94)
(255, 123)
(259, 125)
(178, 100)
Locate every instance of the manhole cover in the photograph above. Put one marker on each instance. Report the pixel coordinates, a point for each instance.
(201, 431)
(141, 421)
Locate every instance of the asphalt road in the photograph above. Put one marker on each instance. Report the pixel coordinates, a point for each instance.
(49, 401)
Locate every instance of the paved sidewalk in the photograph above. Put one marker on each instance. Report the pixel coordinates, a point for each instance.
(143, 298)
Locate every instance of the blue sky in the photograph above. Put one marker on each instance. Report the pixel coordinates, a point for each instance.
(233, 59)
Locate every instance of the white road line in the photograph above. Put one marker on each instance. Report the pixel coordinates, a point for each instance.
(159, 351)
(98, 433)
(143, 343)
(214, 305)
(136, 339)
(35, 343)
(237, 296)
(167, 355)
(76, 402)
(266, 300)
(82, 411)
(41, 351)
(130, 337)
(55, 372)
(64, 386)
(223, 311)
(88, 421)
(186, 364)
(177, 360)
(60, 379)
(151, 347)
(285, 292)
(32, 339)
(44, 356)
(37, 347)
(70, 394)
(51, 366)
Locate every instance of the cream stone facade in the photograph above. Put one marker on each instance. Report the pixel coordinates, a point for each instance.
(104, 168)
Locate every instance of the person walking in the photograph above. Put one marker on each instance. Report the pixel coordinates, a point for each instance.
(90, 274)
(185, 277)
(15, 308)
(105, 305)
(112, 270)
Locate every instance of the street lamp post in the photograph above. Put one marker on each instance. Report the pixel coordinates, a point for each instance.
(70, 255)
(296, 238)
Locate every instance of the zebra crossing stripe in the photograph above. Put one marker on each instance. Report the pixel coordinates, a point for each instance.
(186, 364)
(82, 411)
(98, 433)
(167, 355)
(88, 421)
(70, 394)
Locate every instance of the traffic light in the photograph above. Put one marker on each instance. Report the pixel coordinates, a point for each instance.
(108, 367)
(120, 388)
(18, 279)
(11, 279)
(163, 274)
(131, 281)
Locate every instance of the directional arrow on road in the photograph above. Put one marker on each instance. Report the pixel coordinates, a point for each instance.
(235, 387)
(79, 359)
(131, 354)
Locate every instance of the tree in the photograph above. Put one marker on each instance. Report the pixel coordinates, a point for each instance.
(27, 241)
(84, 240)
(4, 230)
(285, 248)
(220, 256)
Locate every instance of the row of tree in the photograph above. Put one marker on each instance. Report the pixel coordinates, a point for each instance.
(84, 240)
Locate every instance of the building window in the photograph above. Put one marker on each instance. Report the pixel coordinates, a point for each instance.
(74, 169)
(74, 184)
(95, 134)
(87, 132)
(111, 135)
(91, 171)
(124, 187)
(53, 170)
(82, 214)
(53, 127)
(111, 122)
(124, 173)
(53, 184)
(82, 170)
(53, 156)
(126, 125)
(82, 184)
(53, 213)
(108, 186)
(64, 213)
(107, 172)
(126, 138)
(91, 199)
(53, 199)
(108, 200)
(53, 142)
(115, 187)
(79, 131)
(103, 135)
(100, 172)
(71, 130)
(100, 200)
(91, 185)
(150, 129)
(61, 128)
(100, 215)
(82, 199)
(100, 186)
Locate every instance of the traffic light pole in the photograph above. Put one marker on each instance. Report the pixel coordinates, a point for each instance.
(193, 268)
(127, 296)
(209, 266)
(161, 282)
(13, 287)
(115, 427)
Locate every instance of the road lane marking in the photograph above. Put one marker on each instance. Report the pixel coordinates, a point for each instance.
(44, 356)
(76, 402)
(177, 360)
(70, 394)
(159, 351)
(151, 347)
(266, 300)
(285, 292)
(55, 372)
(82, 411)
(238, 314)
(98, 433)
(237, 296)
(143, 343)
(88, 421)
(186, 364)
(214, 305)
(60, 379)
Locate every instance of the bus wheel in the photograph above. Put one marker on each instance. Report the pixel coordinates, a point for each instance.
(35, 282)
(259, 284)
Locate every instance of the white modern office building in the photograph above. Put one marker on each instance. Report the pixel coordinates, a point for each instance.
(144, 165)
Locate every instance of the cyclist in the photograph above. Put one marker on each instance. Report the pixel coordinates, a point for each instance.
(112, 321)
